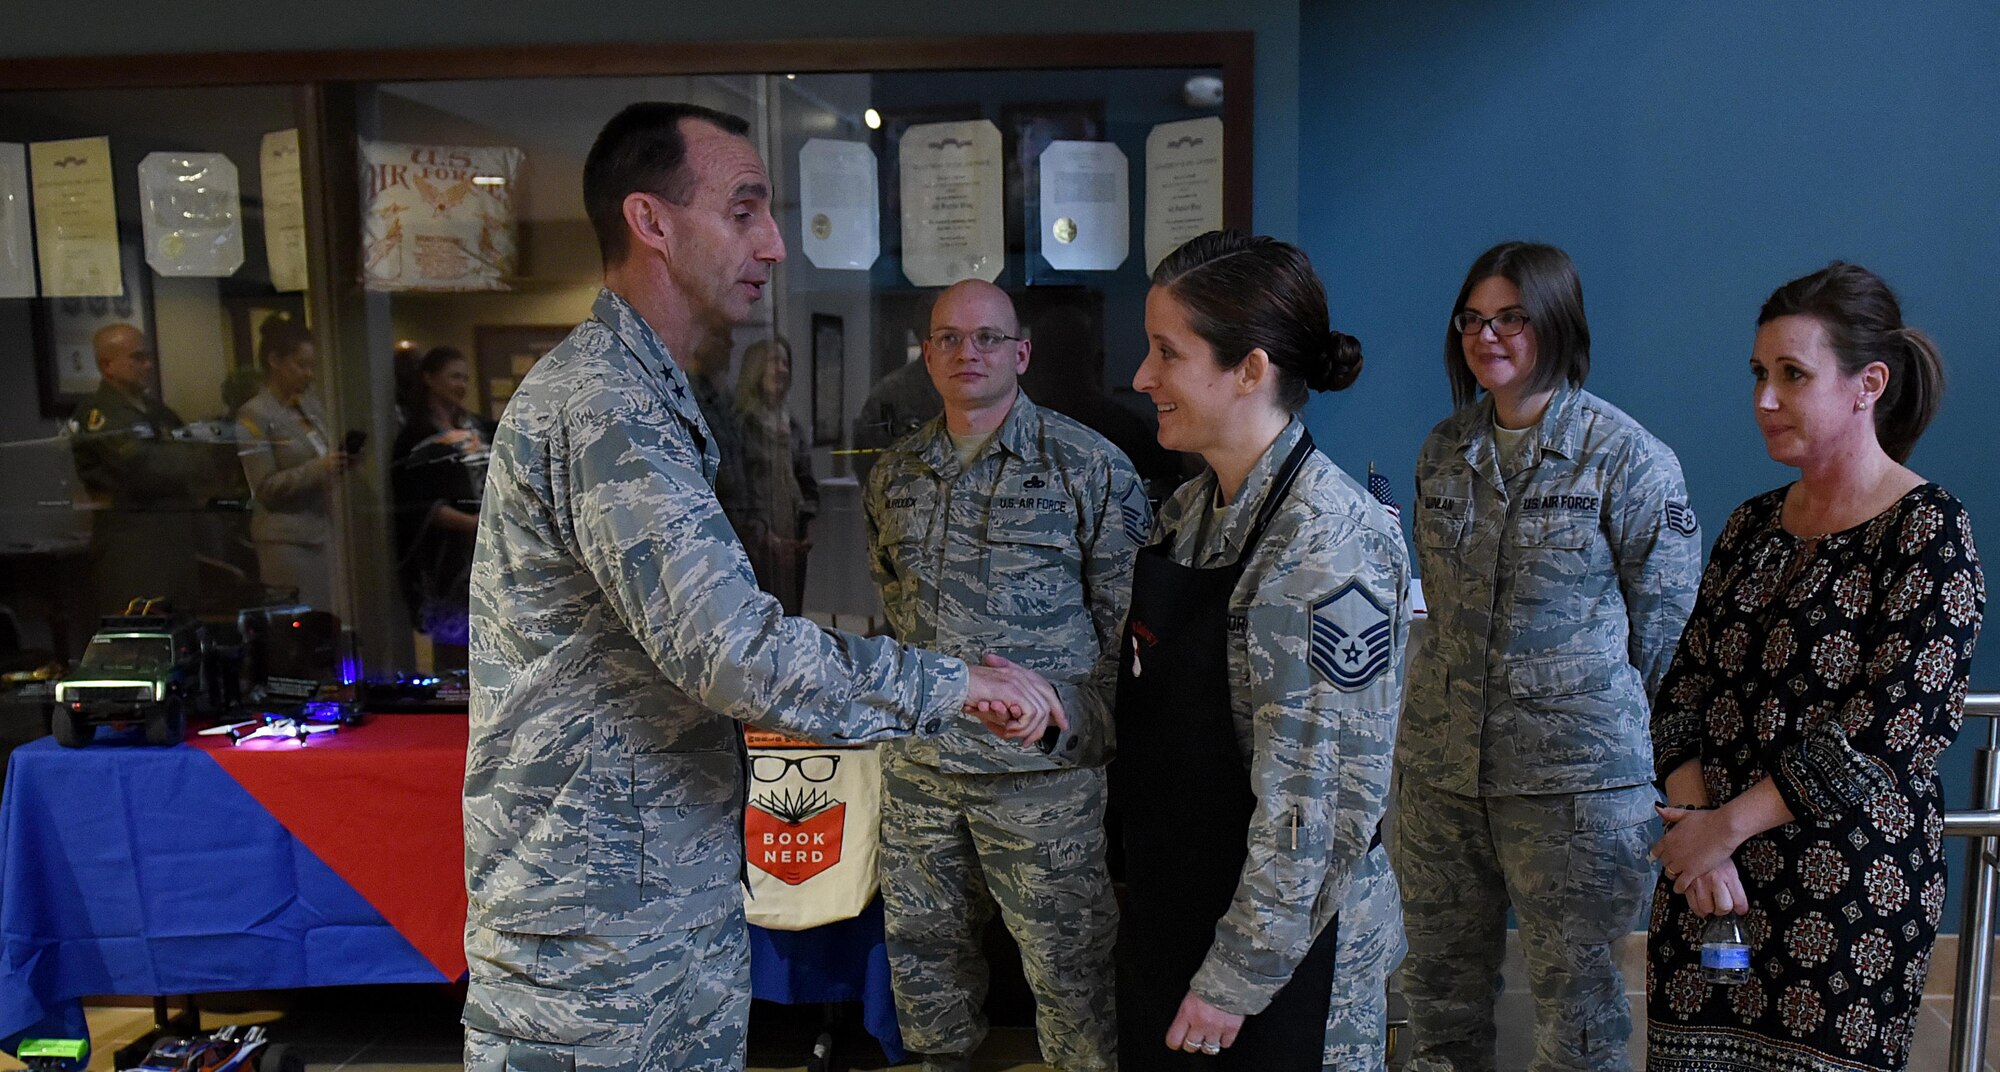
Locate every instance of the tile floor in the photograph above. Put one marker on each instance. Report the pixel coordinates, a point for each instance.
(415, 1028)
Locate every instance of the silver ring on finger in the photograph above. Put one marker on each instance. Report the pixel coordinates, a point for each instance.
(1211, 1048)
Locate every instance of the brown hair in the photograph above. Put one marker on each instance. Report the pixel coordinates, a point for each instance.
(1551, 293)
(279, 336)
(1247, 292)
(1864, 324)
(641, 150)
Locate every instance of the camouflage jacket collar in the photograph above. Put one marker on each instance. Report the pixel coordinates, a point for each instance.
(1560, 431)
(1224, 542)
(1018, 434)
(648, 351)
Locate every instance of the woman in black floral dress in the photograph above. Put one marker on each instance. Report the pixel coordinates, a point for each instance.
(1821, 675)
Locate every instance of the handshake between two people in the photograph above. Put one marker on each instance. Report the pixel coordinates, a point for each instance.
(1013, 701)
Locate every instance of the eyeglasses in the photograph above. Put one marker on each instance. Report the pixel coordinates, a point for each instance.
(811, 768)
(1504, 324)
(985, 340)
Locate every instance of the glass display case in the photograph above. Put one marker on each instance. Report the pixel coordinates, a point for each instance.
(254, 333)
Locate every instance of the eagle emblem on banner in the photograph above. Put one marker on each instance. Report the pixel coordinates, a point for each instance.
(1350, 638)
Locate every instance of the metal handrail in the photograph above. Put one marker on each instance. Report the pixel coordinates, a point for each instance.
(1982, 857)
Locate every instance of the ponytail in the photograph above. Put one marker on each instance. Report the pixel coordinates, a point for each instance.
(1911, 399)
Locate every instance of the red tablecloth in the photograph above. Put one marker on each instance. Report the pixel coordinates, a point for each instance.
(380, 804)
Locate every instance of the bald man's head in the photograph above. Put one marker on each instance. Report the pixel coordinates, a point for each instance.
(969, 375)
(124, 360)
(980, 294)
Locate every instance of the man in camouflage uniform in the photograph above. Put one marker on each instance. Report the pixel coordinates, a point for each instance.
(142, 482)
(618, 638)
(1559, 572)
(1002, 526)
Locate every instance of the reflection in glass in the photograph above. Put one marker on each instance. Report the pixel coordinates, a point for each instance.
(777, 463)
(291, 463)
(438, 471)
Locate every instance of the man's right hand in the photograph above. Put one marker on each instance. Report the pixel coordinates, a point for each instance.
(1013, 701)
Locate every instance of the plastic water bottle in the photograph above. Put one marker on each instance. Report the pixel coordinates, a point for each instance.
(1725, 951)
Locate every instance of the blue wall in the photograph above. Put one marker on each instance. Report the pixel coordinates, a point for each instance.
(1690, 158)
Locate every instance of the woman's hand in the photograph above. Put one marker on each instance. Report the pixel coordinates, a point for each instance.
(1202, 1028)
(1718, 893)
(1696, 844)
(1013, 701)
(334, 462)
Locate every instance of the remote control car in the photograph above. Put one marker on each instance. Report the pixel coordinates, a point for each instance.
(148, 666)
(229, 1049)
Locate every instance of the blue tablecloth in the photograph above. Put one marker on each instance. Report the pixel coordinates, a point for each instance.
(136, 870)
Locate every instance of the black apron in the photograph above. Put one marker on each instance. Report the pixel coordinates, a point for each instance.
(1184, 804)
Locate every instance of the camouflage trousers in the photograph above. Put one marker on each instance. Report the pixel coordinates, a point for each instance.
(956, 845)
(1368, 947)
(1574, 868)
(674, 1001)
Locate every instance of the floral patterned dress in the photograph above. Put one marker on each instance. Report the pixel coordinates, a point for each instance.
(1836, 667)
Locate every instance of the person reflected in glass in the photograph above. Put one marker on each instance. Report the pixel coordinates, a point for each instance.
(438, 473)
(141, 485)
(1797, 733)
(707, 368)
(1258, 692)
(291, 461)
(782, 496)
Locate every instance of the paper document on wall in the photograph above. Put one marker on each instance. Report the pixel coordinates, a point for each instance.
(840, 209)
(191, 209)
(17, 243)
(1183, 185)
(284, 210)
(76, 218)
(1086, 206)
(438, 217)
(953, 228)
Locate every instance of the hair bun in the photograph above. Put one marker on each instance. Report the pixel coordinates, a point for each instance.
(1339, 365)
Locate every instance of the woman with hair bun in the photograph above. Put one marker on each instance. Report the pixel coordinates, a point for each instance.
(1559, 557)
(1257, 692)
(1823, 672)
(290, 460)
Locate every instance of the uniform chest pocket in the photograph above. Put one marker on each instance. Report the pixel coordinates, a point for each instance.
(1556, 532)
(1442, 522)
(907, 563)
(1555, 553)
(1032, 573)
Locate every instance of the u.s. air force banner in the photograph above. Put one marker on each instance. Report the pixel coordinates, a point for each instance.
(437, 217)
